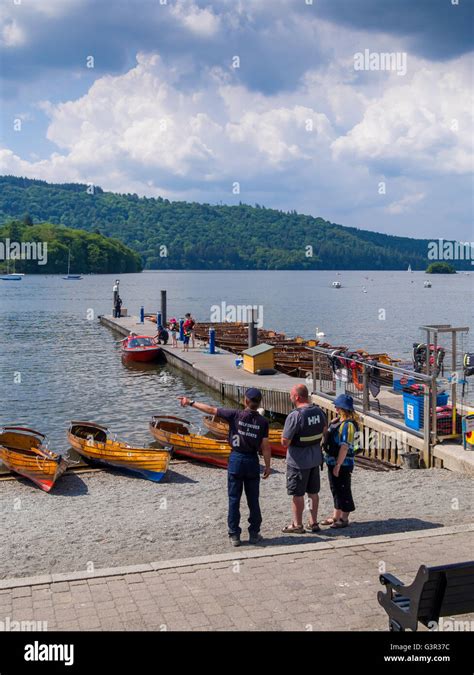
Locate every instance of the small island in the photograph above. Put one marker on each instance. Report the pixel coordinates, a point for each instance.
(440, 268)
(45, 248)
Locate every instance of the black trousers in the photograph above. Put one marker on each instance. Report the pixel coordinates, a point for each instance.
(341, 488)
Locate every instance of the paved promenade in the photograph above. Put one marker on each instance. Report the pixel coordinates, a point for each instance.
(323, 586)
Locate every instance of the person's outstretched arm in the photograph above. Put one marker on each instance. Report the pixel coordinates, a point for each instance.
(203, 407)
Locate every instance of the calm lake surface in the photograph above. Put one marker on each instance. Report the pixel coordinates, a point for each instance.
(57, 363)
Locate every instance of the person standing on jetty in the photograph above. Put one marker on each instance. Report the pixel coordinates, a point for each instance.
(118, 307)
(188, 328)
(302, 434)
(248, 433)
(173, 326)
(339, 449)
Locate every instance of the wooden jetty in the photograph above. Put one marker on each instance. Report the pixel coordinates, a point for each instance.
(219, 372)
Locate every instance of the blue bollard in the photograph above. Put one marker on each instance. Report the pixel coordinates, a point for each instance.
(158, 320)
(212, 340)
(142, 314)
(181, 329)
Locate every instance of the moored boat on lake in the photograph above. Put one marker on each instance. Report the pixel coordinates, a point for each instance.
(92, 441)
(140, 348)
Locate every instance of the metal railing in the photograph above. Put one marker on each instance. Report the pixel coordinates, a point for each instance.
(380, 408)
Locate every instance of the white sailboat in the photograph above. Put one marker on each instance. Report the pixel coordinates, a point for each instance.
(409, 268)
(11, 277)
(71, 277)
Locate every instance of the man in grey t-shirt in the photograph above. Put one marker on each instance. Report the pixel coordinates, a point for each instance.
(302, 435)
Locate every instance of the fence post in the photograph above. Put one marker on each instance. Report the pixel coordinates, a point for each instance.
(426, 425)
(365, 392)
(314, 372)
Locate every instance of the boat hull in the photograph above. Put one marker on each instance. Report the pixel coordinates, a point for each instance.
(173, 433)
(22, 453)
(93, 444)
(141, 356)
(220, 429)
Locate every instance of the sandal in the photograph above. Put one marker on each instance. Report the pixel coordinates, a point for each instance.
(340, 523)
(313, 527)
(293, 529)
(328, 521)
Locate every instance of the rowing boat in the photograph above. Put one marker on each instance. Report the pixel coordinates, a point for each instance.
(220, 429)
(173, 432)
(93, 442)
(23, 451)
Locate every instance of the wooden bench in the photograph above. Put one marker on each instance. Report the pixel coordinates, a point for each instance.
(447, 590)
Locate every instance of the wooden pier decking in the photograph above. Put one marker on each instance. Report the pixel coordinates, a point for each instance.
(217, 371)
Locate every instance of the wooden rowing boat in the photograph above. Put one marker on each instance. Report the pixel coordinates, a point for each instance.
(23, 451)
(220, 429)
(93, 442)
(173, 432)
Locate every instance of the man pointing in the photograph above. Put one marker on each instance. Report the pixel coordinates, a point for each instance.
(248, 433)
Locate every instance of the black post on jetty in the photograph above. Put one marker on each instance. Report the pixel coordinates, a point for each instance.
(163, 308)
(116, 292)
(253, 337)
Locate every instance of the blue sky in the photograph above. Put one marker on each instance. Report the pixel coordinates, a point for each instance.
(248, 100)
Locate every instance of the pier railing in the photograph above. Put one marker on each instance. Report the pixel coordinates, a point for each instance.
(379, 408)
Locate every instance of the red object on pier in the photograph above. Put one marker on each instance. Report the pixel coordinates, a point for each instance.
(142, 348)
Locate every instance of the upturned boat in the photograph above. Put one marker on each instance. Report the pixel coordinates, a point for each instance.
(23, 451)
(220, 429)
(173, 432)
(141, 348)
(93, 442)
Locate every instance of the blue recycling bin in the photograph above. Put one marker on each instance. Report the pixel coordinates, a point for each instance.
(413, 408)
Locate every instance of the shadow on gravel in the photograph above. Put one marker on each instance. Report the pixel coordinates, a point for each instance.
(177, 478)
(367, 528)
(70, 485)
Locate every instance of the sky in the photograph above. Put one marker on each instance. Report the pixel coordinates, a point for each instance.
(284, 103)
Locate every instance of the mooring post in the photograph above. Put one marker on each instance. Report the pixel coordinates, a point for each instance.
(212, 340)
(116, 292)
(142, 314)
(181, 330)
(252, 337)
(163, 308)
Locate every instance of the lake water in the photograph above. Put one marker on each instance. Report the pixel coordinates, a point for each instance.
(57, 363)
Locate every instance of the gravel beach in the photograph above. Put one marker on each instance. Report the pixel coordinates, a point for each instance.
(107, 518)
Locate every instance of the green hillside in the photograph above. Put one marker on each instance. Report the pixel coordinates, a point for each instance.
(89, 252)
(181, 235)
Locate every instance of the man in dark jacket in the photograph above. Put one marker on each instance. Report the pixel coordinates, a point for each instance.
(248, 433)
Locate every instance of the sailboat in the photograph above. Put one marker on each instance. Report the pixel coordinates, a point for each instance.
(71, 277)
(11, 277)
(409, 268)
